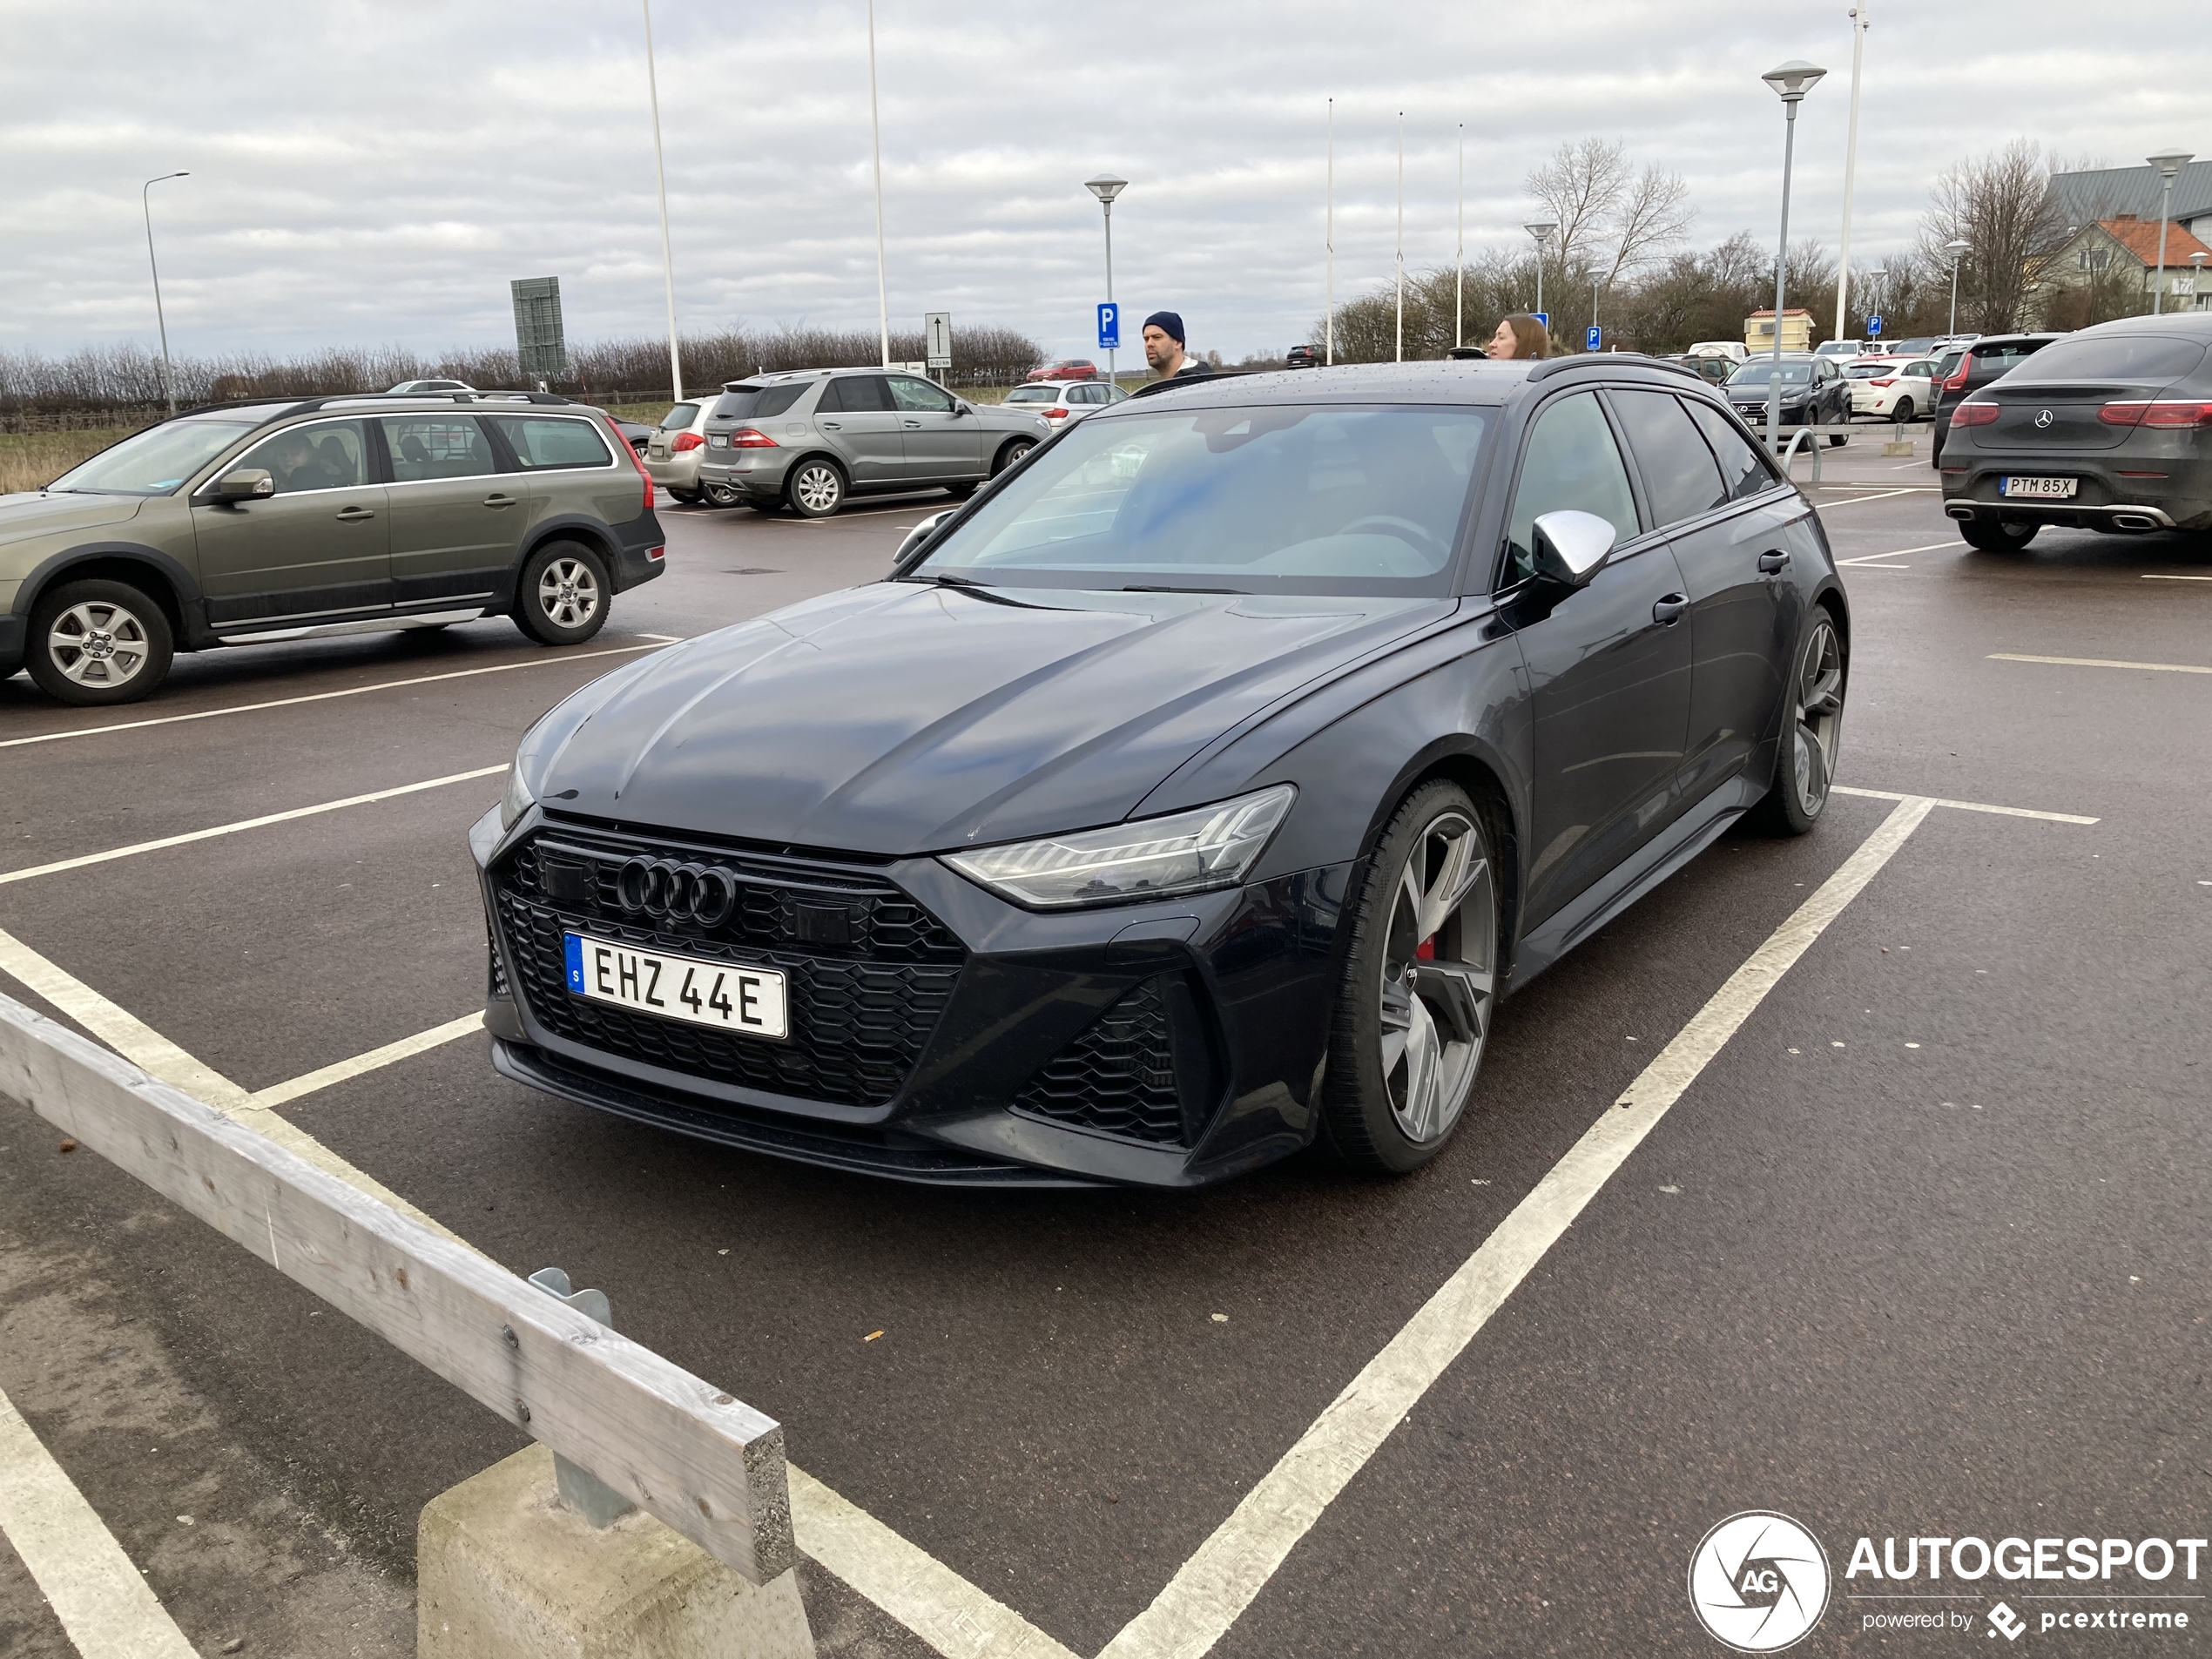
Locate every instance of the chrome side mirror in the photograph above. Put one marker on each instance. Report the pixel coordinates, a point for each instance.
(248, 484)
(921, 533)
(1571, 546)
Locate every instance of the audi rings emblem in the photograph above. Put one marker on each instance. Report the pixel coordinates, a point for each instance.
(662, 887)
(2044, 418)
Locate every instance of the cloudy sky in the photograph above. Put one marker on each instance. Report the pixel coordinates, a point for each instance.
(374, 173)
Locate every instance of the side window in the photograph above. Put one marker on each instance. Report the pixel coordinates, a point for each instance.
(542, 442)
(777, 399)
(919, 397)
(1571, 460)
(326, 456)
(1679, 475)
(856, 395)
(1743, 469)
(438, 445)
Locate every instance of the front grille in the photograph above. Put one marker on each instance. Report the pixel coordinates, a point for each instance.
(867, 971)
(1118, 1077)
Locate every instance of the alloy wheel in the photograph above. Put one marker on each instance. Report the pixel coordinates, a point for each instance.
(1818, 702)
(97, 642)
(818, 489)
(568, 593)
(1439, 976)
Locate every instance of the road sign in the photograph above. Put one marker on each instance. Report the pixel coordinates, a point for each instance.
(1543, 317)
(1590, 340)
(1873, 328)
(1109, 326)
(938, 325)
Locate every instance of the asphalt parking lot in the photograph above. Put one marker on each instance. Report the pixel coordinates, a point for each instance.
(1920, 1248)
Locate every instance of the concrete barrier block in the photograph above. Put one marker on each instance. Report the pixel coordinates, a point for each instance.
(504, 1570)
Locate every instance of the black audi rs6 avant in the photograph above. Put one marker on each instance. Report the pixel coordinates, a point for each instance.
(1193, 793)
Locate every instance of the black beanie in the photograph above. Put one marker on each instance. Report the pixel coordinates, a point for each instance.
(1168, 321)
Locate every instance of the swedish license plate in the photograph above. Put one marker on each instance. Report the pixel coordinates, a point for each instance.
(727, 996)
(2037, 488)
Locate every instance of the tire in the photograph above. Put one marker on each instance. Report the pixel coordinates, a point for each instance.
(960, 492)
(1838, 440)
(96, 643)
(1407, 1038)
(816, 488)
(1996, 535)
(681, 497)
(1902, 413)
(724, 495)
(1009, 452)
(1812, 726)
(563, 596)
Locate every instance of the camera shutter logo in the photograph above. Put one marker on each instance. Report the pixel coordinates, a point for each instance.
(1758, 1582)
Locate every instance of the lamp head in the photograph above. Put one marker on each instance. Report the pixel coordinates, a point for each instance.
(1106, 187)
(1793, 80)
(2169, 162)
(1956, 249)
(1541, 230)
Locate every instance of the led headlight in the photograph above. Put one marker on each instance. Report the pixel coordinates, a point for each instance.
(517, 800)
(1211, 847)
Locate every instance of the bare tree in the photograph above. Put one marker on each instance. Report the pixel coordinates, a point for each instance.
(2002, 206)
(1581, 185)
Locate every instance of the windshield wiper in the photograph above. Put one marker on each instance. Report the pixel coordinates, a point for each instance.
(939, 579)
(1161, 588)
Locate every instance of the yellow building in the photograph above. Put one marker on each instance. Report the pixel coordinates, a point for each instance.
(1797, 330)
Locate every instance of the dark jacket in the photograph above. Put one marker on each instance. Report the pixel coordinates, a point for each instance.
(1191, 369)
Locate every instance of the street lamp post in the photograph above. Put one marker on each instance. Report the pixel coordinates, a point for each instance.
(1542, 232)
(1459, 251)
(2168, 162)
(1329, 252)
(1399, 259)
(1106, 187)
(1957, 250)
(660, 183)
(875, 148)
(1850, 163)
(2196, 277)
(168, 379)
(1791, 83)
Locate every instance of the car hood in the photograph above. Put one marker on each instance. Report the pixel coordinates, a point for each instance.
(32, 514)
(903, 718)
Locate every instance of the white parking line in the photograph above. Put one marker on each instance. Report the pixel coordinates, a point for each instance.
(1966, 806)
(1212, 1589)
(1880, 494)
(2150, 576)
(1867, 560)
(931, 1600)
(2099, 662)
(658, 641)
(406, 1048)
(102, 1601)
(285, 817)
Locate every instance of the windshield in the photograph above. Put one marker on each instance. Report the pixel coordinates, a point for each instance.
(1868, 371)
(1033, 394)
(756, 402)
(1275, 500)
(153, 462)
(1757, 374)
(679, 417)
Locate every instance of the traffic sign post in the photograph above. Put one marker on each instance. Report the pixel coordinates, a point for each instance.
(1873, 328)
(937, 328)
(1590, 340)
(1109, 326)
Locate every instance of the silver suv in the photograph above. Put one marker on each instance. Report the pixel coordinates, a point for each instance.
(240, 523)
(813, 439)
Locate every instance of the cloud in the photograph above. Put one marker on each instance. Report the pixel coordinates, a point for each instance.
(372, 173)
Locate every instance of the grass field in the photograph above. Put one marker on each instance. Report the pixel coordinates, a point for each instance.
(30, 459)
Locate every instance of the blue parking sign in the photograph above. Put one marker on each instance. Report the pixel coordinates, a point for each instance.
(1109, 326)
(1873, 328)
(1590, 340)
(1543, 317)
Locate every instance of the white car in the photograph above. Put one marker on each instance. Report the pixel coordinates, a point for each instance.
(417, 388)
(1734, 350)
(1893, 389)
(1846, 349)
(673, 453)
(1061, 401)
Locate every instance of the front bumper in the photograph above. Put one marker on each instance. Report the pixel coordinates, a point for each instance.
(2104, 499)
(939, 1033)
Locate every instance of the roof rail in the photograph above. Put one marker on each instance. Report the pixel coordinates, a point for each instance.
(1552, 366)
(309, 405)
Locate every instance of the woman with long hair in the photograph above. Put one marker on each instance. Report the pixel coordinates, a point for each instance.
(1520, 335)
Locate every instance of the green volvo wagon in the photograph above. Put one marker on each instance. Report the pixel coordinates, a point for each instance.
(239, 524)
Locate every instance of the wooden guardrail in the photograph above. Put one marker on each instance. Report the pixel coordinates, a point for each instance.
(709, 1465)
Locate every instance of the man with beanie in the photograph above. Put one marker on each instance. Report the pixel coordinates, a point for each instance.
(1164, 348)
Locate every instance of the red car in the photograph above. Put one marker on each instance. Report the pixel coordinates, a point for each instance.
(1068, 369)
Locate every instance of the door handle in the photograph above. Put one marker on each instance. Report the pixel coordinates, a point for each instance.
(499, 501)
(915, 425)
(356, 514)
(1773, 561)
(1667, 610)
(830, 426)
